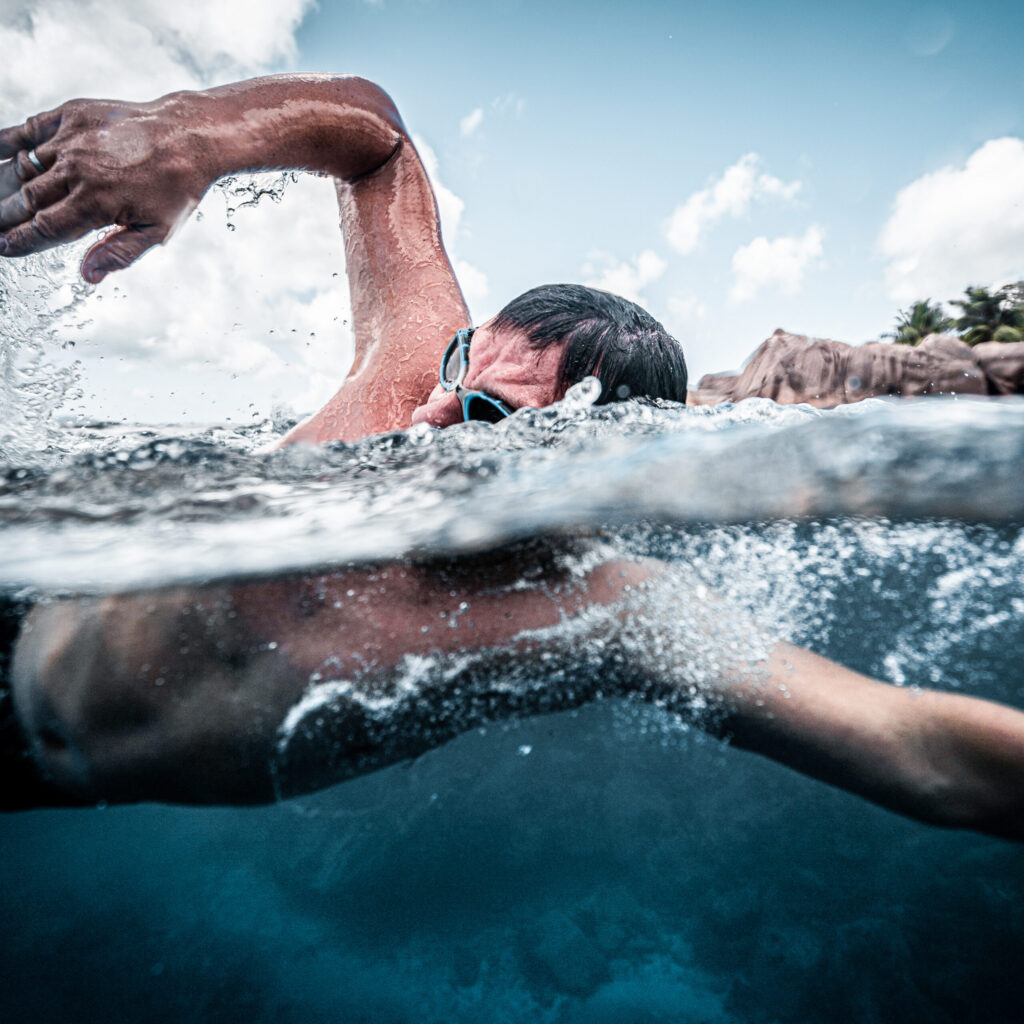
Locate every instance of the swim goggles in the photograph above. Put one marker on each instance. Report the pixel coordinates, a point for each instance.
(476, 405)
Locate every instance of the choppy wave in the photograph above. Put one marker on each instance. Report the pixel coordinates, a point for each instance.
(116, 507)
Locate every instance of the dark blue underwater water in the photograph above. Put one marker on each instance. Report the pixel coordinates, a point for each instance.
(598, 866)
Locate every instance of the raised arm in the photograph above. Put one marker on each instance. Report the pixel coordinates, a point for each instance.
(143, 168)
(942, 758)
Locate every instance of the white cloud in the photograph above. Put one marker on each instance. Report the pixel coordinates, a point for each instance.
(510, 103)
(471, 121)
(929, 31)
(958, 226)
(449, 205)
(254, 301)
(729, 195)
(781, 262)
(134, 49)
(686, 307)
(474, 286)
(625, 278)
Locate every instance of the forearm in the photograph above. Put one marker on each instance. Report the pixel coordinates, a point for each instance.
(944, 759)
(976, 750)
(144, 166)
(333, 124)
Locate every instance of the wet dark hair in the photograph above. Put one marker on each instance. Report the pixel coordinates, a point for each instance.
(605, 336)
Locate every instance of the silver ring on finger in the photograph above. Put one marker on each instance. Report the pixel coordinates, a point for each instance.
(35, 161)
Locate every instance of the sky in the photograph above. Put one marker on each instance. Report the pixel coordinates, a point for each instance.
(734, 167)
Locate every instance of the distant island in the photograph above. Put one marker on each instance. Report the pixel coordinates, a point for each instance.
(980, 352)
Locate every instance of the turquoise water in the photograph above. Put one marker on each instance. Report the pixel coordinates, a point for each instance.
(608, 864)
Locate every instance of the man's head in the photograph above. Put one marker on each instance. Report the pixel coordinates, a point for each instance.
(603, 336)
(550, 338)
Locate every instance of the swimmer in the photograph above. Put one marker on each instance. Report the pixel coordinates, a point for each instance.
(245, 693)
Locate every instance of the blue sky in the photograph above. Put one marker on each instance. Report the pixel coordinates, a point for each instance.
(738, 167)
(622, 112)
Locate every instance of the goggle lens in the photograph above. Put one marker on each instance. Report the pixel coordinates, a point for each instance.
(481, 407)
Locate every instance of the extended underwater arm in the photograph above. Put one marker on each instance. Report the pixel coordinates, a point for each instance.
(236, 719)
(143, 167)
(942, 758)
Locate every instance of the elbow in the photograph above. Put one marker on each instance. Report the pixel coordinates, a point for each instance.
(975, 768)
(372, 97)
(987, 806)
(371, 127)
(71, 717)
(126, 699)
(95, 726)
(46, 677)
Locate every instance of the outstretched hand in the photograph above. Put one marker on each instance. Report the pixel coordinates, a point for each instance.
(128, 165)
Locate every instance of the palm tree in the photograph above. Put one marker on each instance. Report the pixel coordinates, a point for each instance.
(1005, 333)
(915, 324)
(991, 317)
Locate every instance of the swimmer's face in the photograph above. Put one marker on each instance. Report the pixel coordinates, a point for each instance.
(503, 364)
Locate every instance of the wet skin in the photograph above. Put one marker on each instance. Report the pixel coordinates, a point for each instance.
(505, 365)
(179, 695)
(84, 688)
(232, 660)
(142, 168)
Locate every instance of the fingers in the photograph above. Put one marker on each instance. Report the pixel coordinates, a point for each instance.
(35, 131)
(120, 248)
(52, 226)
(10, 181)
(37, 194)
(20, 168)
(63, 222)
(15, 145)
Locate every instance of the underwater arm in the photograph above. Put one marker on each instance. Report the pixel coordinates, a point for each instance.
(942, 758)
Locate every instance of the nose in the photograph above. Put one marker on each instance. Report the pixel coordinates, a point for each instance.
(442, 409)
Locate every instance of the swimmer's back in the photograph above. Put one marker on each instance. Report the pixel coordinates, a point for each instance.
(179, 695)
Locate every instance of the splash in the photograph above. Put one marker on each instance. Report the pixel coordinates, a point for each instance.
(246, 191)
(668, 645)
(43, 308)
(42, 302)
(142, 509)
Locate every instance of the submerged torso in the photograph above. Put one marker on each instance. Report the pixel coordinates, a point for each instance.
(112, 688)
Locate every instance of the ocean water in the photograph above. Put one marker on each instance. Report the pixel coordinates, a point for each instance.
(609, 864)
